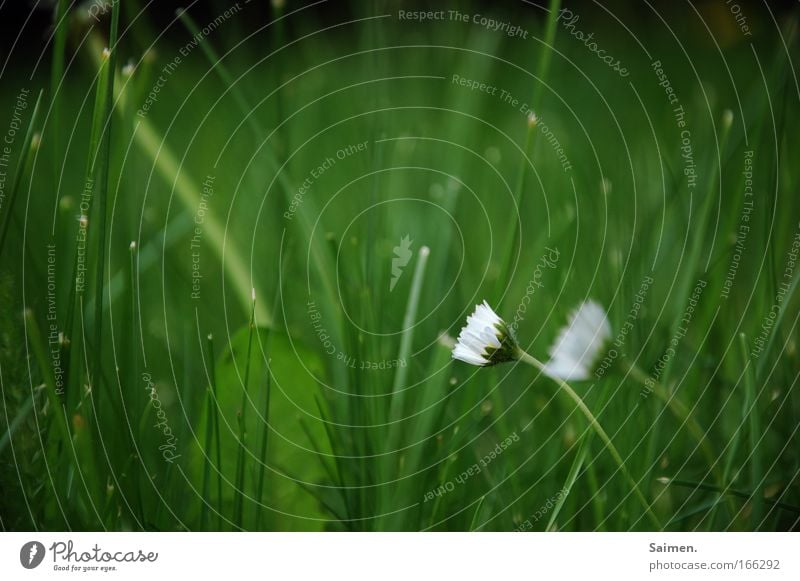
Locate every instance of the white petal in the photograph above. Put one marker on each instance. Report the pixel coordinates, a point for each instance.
(490, 339)
(468, 356)
(486, 315)
(574, 353)
(566, 370)
(472, 343)
(480, 335)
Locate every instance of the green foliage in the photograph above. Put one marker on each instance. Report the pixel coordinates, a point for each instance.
(338, 407)
(295, 475)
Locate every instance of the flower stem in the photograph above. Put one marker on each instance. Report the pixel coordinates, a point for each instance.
(530, 360)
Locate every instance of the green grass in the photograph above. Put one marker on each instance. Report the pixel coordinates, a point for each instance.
(331, 401)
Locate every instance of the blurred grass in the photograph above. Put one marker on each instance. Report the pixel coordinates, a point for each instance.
(327, 444)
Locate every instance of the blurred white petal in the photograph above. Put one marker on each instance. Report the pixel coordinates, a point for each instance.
(579, 345)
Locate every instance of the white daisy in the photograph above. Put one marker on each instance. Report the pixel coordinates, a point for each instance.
(576, 350)
(485, 340)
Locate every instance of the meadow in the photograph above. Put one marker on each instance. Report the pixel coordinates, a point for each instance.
(238, 243)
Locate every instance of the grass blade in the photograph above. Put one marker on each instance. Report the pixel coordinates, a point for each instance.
(409, 321)
(477, 512)
(572, 476)
(240, 458)
(754, 435)
(215, 418)
(507, 249)
(262, 457)
(731, 491)
(56, 76)
(211, 406)
(397, 402)
(21, 416)
(22, 166)
(787, 300)
(102, 197)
